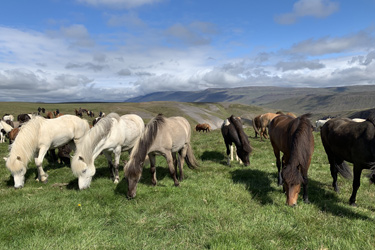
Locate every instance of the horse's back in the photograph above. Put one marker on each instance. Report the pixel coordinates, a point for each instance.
(349, 139)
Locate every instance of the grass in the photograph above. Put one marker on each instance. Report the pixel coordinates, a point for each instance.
(215, 207)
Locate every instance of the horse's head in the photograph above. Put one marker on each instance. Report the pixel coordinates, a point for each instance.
(83, 170)
(244, 156)
(18, 169)
(132, 178)
(292, 180)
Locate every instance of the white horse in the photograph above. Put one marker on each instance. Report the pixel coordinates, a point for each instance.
(6, 127)
(320, 123)
(8, 117)
(35, 138)
(112, 133)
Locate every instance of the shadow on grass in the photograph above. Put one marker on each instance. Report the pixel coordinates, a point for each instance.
(259, 185)
(256, 182)
(327, 201)
(214, 156)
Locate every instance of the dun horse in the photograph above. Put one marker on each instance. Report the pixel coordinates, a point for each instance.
(346, 140)
(36, 137)
(232, 132)
(112, 134)
(293, 137)
(164, 136)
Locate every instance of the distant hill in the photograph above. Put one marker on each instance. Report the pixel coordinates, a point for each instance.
(332, 100)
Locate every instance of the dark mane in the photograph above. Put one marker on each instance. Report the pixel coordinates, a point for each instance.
(300, 129)
(139, 151)
(242, 136)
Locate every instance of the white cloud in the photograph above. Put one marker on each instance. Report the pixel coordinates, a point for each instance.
(313, 8)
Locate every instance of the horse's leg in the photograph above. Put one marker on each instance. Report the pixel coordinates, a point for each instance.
(231, 152)
(278, 164)
(181, 161)
(168, 156)
(334, 171)
(228, 153)
(305, 191)
(356, 183)
(42, 176)
(108, 156)
(151, 157)
(117, 162)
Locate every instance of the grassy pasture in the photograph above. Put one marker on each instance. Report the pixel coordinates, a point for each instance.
(215, 207)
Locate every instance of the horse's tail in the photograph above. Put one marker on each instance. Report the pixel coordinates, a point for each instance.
(344, 170)
(190, 159)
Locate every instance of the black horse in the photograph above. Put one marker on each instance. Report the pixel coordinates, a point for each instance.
(23, 118)
(232, 132)
(346, 140)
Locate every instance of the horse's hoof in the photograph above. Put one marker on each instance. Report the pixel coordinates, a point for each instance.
(177, 184)
(45, 181)
(306, 201)
(353, 204)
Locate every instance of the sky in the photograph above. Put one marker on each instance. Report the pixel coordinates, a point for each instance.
(111, 50)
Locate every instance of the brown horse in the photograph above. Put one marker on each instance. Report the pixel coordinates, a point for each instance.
(205, 127)
(13, 134)
(49, 115)
(264, 121)
(256, 126)
(293, 137)
(346, 140)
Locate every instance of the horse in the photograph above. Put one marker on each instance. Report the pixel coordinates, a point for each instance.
(5, 128)
(111, 134)
(256, 126)
(164, 136)
(319, 123)
(23, 118)
(205, 127)
(264, 122)
(346, 140)
(36, 137)
(13, 134)
(49, 115)
(358, 120)
(78, 112)
(232, 132)
(95, 121)
(294, 137)
(8, 117)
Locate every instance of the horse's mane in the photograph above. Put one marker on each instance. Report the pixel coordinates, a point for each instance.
(96, 134)
(371, 118)
(300, 148)
(25, 144)
(140, 149)
(241, 134)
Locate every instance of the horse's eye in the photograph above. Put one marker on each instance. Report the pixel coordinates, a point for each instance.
(84, 171)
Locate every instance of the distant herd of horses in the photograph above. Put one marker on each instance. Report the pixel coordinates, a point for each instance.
(343, 140)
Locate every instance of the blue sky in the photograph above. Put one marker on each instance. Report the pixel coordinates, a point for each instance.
(111, 50)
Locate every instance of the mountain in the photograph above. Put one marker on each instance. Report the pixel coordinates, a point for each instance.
(330, 100)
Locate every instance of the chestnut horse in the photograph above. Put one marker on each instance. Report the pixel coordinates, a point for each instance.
(205, 127)
(294, 137)
(264, 121)
(347, 140)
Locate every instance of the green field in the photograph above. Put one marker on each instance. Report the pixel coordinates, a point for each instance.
(215, 207)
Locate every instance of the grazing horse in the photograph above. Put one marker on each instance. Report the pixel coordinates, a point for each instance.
(49, 115)
(13, 134)
(264, 122)
(112, 134)
(293, 137)
(232, 132)
(164, 136)
(346, 140)
(36, 137)
(5, 128)
(78, 112)
(23, 118)
(205, 127)
(257, 126)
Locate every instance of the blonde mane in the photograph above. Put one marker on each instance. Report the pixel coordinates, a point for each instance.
(25, 144)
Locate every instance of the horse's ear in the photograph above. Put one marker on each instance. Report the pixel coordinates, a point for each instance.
(81, 158)
(18, 158)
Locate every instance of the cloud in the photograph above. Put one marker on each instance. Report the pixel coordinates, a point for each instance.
(296, 65)
(196, 33)
(362, 40)
(128, 20)
(118, 4)
(313, 8)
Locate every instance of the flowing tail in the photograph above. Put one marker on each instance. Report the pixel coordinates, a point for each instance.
(255, 127)
(344, 170)
(190, 159)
